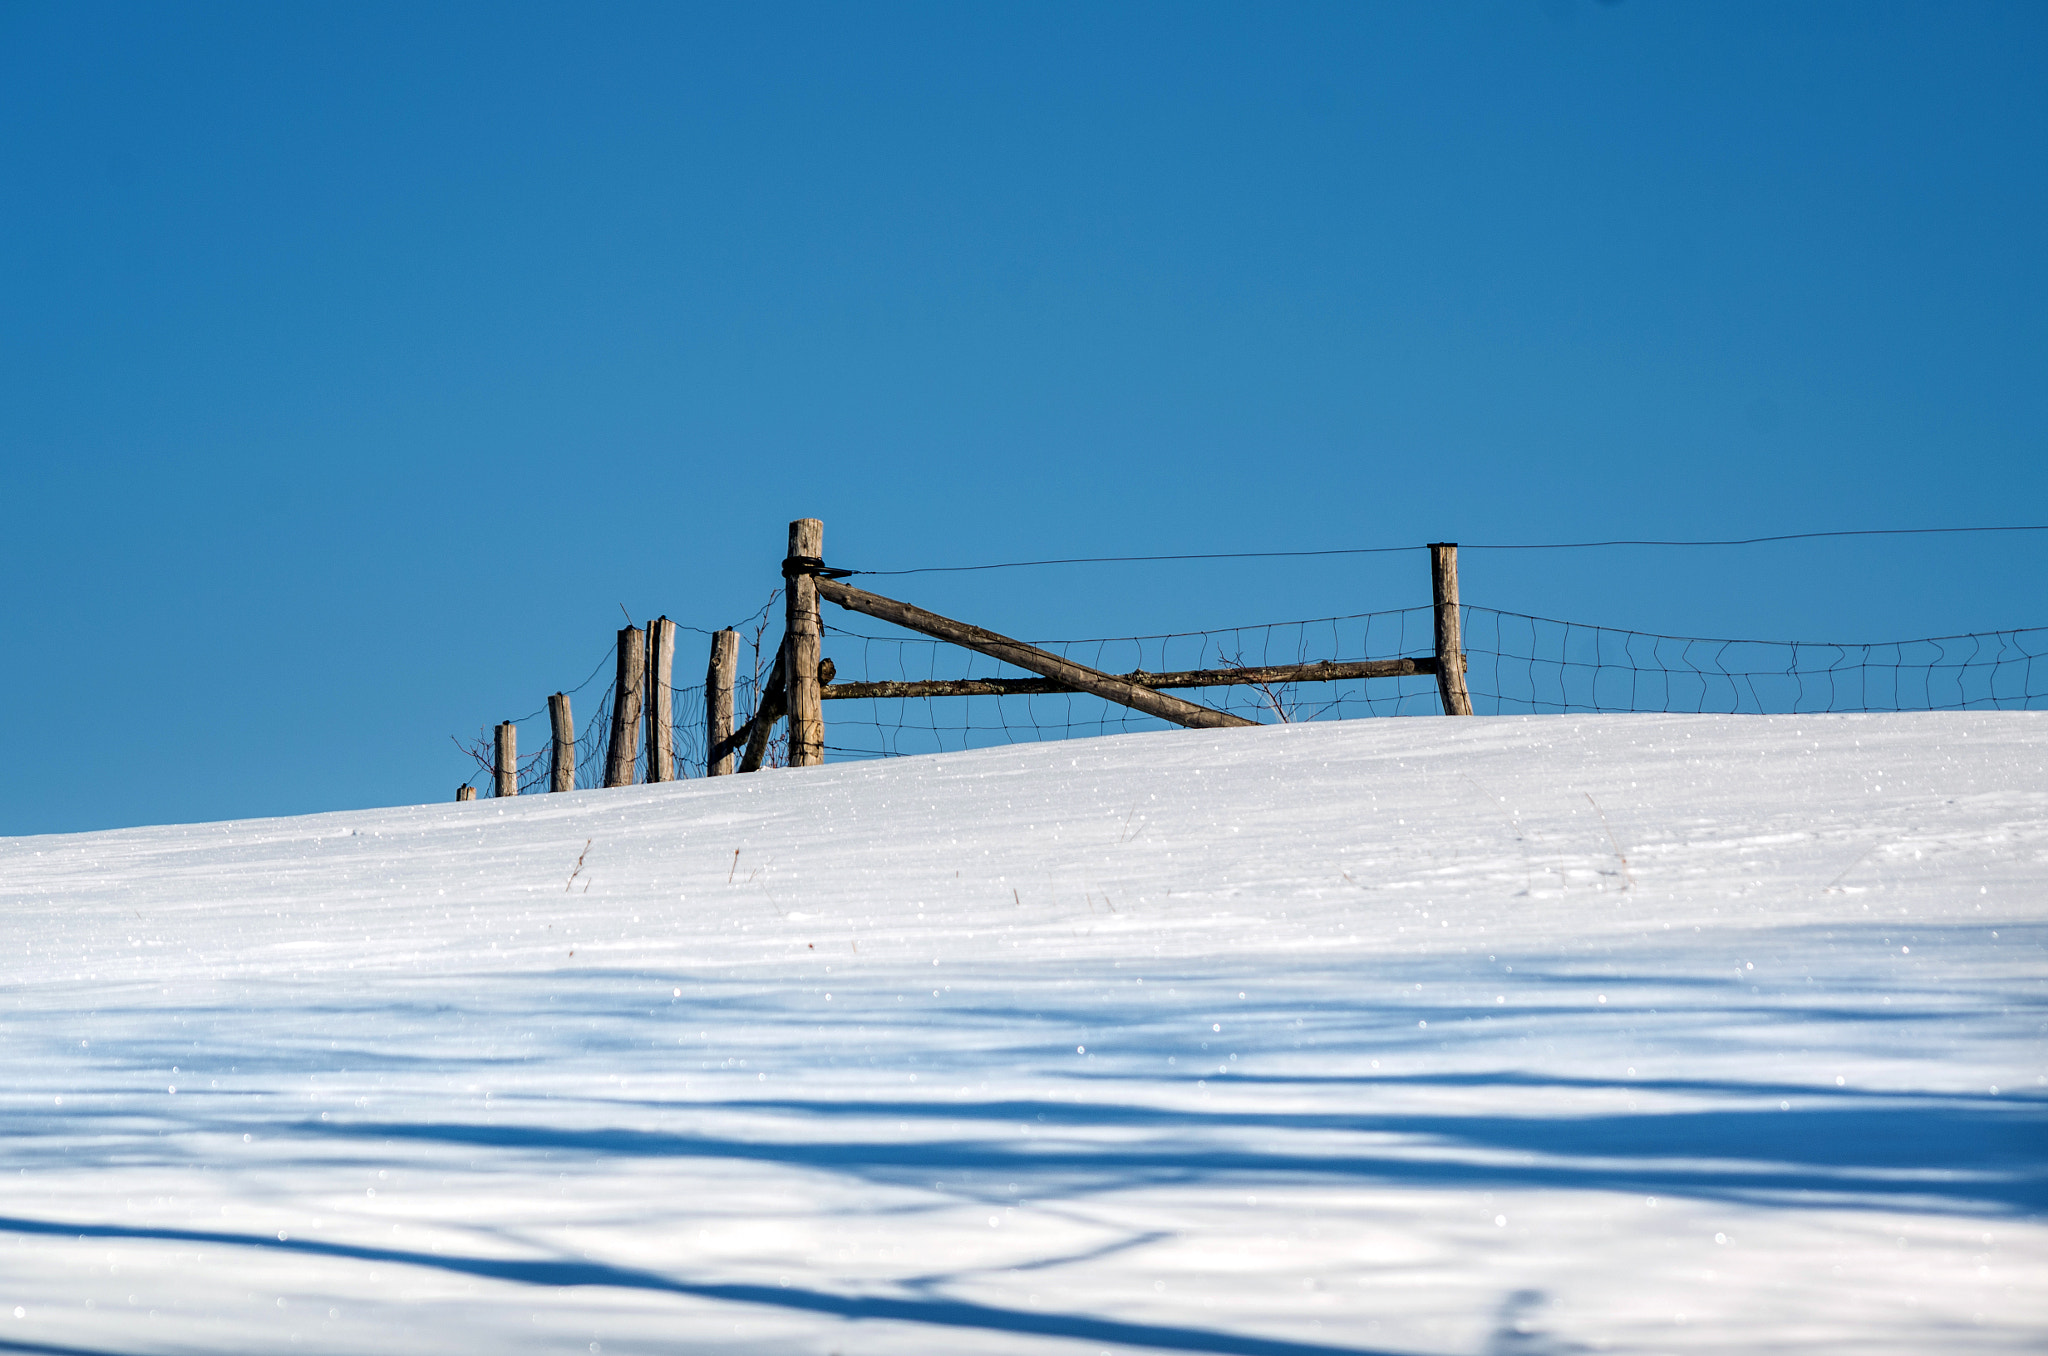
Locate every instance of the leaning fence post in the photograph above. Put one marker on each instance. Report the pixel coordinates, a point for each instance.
(562, 771)
(1450, 645)
(718, 685)
(769, 707)
(619, 758)
(803, 631)
(505, 765)
(464, 792)
(661, 725)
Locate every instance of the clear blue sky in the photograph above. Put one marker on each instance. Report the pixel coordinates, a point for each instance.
(357, 363)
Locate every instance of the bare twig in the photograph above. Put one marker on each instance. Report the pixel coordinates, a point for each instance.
(1829, 888)
(1618, 855)
(483, 751)
(1278, 699)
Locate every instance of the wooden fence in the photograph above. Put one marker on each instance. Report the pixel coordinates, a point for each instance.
(800, 681)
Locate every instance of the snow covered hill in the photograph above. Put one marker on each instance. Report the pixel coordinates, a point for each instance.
(1506, 1035)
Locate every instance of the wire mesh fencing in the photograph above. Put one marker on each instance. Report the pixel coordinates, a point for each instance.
(591, 750)
(535, 771)
(884, 727)
(1515, 663)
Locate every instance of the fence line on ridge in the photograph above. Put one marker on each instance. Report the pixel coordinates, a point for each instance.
(1510, 662)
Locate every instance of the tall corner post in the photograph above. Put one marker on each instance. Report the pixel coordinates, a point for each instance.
(1450, 644)
(804, 633)
(505, 761)
(562, 755)
(718, 686)
(661, 723)
(620, 755)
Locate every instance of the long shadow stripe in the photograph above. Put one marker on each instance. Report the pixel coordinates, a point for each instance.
(938, 1312)
(2010, 1181)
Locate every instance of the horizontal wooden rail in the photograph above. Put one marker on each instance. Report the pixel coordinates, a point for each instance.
(1325, 672)
(1029, 657)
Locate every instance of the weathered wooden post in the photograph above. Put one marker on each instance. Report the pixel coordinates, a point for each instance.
(718, 685)
(803, 635)
(562, 768)
(1450, 644)
(661, 725)
(619, 757)
(464, 792)
(505, 764)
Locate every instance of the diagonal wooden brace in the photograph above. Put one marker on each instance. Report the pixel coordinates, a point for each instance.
(754, 734)
(1029, 657)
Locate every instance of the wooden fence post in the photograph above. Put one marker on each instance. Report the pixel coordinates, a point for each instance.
(618, 763)
(718, 685)
(805, 639)
(505, 765)
(1450, 645)
(463, 793)
(661, 725)
(562, 771)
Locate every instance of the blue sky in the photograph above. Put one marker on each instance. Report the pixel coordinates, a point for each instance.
(358, 364)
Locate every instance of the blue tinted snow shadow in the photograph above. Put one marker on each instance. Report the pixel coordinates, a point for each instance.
(931, 1311)
(1945, 1159)
(49, 1349)
(1828, 1149)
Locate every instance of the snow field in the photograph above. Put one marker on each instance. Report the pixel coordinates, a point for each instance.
(1491, 1035)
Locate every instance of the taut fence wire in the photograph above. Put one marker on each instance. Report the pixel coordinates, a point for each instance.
(1469, 546)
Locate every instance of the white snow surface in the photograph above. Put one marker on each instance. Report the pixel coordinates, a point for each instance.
(1497, 1035)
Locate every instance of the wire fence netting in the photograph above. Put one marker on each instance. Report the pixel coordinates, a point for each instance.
(1514, 664)
(892, 727)
(1521, 663)
(594, 733)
